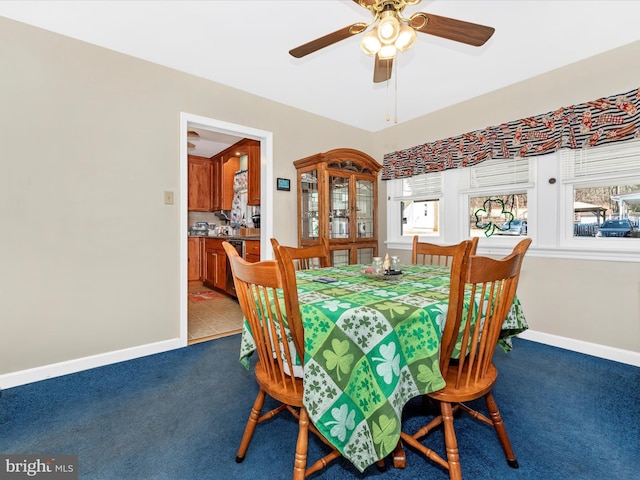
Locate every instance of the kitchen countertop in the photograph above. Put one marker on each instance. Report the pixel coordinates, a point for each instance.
(227, 237)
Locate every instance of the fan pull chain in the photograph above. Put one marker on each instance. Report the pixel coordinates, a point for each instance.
(394, 67)
(395, 74)
(388, 116)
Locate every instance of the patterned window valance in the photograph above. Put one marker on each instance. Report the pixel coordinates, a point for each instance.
(610, 119)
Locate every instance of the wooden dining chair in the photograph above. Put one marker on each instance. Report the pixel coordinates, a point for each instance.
(270, 306)
(424, 253)
(475, 331)
(312, 256)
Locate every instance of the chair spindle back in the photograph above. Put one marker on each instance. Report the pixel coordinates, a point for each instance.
(259, 287)
(424, 253)
(309, 257)
(484, 293)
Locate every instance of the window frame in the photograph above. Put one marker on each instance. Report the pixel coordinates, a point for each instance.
(502, 241)
(395, 197)
(623, 246)
(623, 249)
(551, 231)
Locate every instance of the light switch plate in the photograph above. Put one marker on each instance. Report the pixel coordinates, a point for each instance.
(168, 198)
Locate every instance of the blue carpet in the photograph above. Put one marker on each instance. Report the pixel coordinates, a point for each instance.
(180, 415)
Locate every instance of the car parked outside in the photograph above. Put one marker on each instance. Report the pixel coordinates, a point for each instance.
(615, 228)
(514, 227)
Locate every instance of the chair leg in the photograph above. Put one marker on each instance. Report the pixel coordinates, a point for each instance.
(302, 444)
(399, 456)
(501, 430)
(450, 442)
(251, 426)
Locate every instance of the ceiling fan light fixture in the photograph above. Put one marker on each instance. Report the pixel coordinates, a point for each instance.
(406, 38)
(387, 51)
(370, 43)
(388, 28)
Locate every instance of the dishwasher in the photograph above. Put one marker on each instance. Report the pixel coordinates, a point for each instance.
(230, 285)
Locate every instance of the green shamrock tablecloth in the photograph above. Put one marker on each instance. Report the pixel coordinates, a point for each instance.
(370, 346)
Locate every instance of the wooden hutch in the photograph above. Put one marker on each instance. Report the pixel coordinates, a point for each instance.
(337, 199)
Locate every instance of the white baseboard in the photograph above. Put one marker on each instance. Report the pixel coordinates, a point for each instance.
(594, 349)
(23, 377)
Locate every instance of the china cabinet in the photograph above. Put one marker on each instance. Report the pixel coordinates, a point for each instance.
(337, 199)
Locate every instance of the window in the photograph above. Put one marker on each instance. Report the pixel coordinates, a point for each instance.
(573, 203)
(415, 206)
(602, 193)
(420, 217)
(498, 215)
(497, 196)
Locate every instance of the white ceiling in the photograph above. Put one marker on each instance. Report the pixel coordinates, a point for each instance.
(208, 143)
(245, 44)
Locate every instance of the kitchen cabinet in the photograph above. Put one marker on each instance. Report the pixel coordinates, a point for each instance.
(337, 199)
(252, 250)
(215, 264)
(216, 183)
(200, 186)
(252, 150)
(224, 167)
(194, 259)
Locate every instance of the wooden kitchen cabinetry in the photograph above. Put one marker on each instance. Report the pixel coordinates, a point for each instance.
(211, 179)
(252, 250)
(215, 264)
(337, 199)
(200, 186)
(194, 259)
(224, 167)
(216, 183)
(252, 149)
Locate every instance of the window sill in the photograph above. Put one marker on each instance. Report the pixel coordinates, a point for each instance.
(582, 253)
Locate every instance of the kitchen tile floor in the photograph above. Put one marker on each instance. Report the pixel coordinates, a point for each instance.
(212, 318)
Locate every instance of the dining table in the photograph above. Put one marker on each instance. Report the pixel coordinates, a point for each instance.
(371, 343)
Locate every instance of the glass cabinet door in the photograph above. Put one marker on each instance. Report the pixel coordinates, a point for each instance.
(365, 255)
(339, 207)
(337, 200)
(309, 204)
(365, 209)
(340, 257)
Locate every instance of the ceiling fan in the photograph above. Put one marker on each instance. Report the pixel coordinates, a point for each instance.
(395, 33)
(194, 135)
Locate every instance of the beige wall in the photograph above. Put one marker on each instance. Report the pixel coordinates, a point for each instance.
(89, 140)
(589, 301)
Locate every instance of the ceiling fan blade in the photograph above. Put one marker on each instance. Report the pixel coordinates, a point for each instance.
(382, 69)
(327, 40)
(452, 29)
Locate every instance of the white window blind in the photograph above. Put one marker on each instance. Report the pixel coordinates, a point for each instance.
(421, 187)
(499, 172)
(619, 160)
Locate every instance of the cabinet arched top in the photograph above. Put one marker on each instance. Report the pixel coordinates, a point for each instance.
(341, 157)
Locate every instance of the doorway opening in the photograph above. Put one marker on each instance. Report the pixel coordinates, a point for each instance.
(226, 131)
